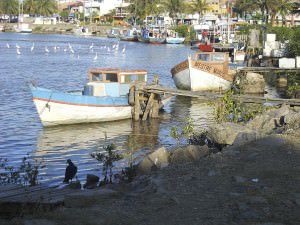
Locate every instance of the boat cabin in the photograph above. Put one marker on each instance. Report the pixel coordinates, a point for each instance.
(219, 60)
(113, 82)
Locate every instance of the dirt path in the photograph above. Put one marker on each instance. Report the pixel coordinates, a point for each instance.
(258, 183)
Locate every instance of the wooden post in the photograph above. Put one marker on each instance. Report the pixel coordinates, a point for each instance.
(148, 107)
(137, 107)
(155, 108)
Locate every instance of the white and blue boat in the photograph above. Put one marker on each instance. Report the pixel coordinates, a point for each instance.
(104, 98)
(175, 40)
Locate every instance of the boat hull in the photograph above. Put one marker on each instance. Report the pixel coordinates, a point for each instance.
(157, 40)
(144, 40)
(57, 113)
(187, 76)
(175, 40)
(129, 38)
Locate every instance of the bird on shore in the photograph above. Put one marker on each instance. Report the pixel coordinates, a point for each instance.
(7, 45)
(71, 171)
(96, 56)
(18, 51)
(32, 47)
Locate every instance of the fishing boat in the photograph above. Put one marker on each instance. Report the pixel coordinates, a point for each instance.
(130, 35)
(175, 40)
(104, 98)
(113, 33)
(143, 39)
(207, 71)
(157, 40)
(82, 31)
(23, 28)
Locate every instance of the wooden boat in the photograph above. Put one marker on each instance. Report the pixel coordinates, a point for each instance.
(157, 40)
(131, 35)
(105, 98)
(113, 33)
(175, 40)
(143, 39)
(205, 72)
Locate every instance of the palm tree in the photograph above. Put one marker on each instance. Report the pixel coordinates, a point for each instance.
(46, 7)
(284, 7)
(173, 7)
(9, 7)
(30, 6)
(199, 6)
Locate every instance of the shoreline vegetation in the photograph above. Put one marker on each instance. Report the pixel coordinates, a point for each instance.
(243, 172)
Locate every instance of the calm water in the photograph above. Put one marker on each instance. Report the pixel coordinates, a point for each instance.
(21, 132)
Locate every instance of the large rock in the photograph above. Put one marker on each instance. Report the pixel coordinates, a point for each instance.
(267, 122)
(225, 133)
(155, 160)
(91, 181)
(252, 83)
(88, 198)
(189, 154)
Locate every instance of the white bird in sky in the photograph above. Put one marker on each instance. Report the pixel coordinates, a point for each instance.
(46, 49)
(17, 46)
(32, 47)
(7, 45)
(96, 56)
(18, 51)
(124, 50)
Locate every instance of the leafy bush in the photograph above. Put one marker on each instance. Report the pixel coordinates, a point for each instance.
(183, 30)
(294, 44)
(107, 158)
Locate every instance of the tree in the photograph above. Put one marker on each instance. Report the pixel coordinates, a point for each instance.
(199, 6)
(30, 6)
(173, 7)
(46, 7)
(9, 7)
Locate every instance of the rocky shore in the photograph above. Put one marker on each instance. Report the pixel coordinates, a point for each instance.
(254, 179)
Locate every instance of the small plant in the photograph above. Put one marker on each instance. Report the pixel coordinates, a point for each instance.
(229, 109)
(187, 132)
(26, 174)
(107, 158)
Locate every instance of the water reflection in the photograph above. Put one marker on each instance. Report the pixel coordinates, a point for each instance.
(76, 142)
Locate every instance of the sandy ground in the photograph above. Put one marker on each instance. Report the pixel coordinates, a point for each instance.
(258, 183)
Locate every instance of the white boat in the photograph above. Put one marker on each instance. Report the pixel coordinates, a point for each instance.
(175, 40)
(23, 28)
(104, 98)
(207, 71)
(82, 31)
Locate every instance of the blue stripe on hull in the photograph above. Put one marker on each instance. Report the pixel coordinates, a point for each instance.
(77, 99)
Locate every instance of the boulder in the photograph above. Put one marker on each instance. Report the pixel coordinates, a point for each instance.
(252, 83)
(91, 181)
(88, 198)
(267, 122)
(246, 137)
(189, 154)
(155, 160)
(225, 133)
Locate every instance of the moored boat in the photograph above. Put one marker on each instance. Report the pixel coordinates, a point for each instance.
(23, 28)
(131, 35)
(143, 39)
(157, 40)
(104, 98)
(204, 72)
(175, 39)
(113, 33)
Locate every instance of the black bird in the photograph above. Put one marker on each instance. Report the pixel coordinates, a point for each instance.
(71, 171)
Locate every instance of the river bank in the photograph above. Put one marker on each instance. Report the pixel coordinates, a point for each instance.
(253, 182)
(63, 28)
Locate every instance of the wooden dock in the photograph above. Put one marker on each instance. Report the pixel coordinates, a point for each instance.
(269, 69)
(17, 200)
(147, 99)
